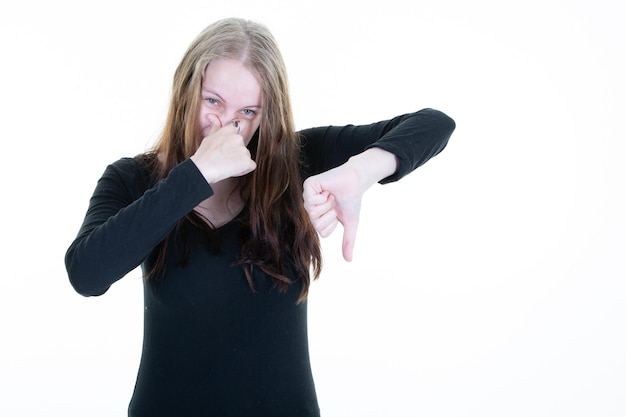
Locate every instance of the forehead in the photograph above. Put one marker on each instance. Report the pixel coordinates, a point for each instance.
(231, 78)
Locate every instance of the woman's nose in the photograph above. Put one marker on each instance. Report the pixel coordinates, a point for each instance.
(228, 119)
(224, 118)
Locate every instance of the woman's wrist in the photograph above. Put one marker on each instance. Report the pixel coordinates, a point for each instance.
(374, 165)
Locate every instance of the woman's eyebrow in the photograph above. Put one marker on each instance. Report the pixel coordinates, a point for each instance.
(212, 91)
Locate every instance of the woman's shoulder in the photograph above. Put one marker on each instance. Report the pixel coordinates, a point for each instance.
(137, 173)
(142, 164)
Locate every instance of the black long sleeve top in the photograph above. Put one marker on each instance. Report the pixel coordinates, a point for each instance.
(212, 346)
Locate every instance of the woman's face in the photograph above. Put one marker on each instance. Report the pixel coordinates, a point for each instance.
(230, 92)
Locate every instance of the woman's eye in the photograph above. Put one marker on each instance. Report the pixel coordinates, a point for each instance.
(248, 112)
(211, 100)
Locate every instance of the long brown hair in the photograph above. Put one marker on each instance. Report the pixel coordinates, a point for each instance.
(280, 232)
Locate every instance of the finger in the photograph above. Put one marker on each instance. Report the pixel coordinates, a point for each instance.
(251, 167)
(349, 237)
(313, 195)
(245, 161)
(321, 221)
(238, 125)
(215, 123)
(311, 189)
(327, 224)
(322, 204)
(317, 200)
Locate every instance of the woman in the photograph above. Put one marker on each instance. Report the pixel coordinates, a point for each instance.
(227, 233)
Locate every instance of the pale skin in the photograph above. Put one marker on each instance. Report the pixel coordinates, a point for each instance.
(231, 92)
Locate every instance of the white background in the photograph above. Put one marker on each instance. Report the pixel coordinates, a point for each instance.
(490, 282)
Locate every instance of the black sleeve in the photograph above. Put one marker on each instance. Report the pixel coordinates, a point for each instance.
(124, 224)
(414, 138)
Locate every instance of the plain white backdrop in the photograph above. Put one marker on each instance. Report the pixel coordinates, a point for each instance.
(490, 282)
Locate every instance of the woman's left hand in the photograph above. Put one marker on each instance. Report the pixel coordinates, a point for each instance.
(335, 196)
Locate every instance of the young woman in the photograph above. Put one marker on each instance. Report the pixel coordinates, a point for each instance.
(223, 215)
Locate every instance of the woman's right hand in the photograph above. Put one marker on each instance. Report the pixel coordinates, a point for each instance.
(223, 153)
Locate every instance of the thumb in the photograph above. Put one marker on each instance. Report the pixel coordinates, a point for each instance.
(349, 237)
(215, 123)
